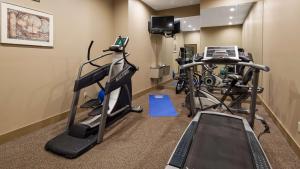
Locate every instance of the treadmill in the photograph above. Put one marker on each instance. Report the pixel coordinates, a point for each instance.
(216, 140)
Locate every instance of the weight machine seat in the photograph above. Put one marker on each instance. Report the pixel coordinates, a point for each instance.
(244, 80)
(241, 84)
(218, 141)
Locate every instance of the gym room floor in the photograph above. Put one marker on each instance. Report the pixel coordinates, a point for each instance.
(136, 142)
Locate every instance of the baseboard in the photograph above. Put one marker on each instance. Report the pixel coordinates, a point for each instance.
(283, 130)
(143, 92)
(44, 123)
(31, 128)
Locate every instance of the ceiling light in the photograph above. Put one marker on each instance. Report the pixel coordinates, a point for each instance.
(170, 24)
(184, 21)
(232, 9)
(194, 29)
(230, 23)
(189, 26)
(230, 17)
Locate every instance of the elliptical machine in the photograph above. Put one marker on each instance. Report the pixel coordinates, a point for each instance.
(80, 137)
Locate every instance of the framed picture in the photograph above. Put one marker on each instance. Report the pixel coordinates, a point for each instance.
(25, 26)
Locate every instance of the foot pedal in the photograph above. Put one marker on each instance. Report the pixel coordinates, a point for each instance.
(137, 109)
(91, 104)
(96, 111)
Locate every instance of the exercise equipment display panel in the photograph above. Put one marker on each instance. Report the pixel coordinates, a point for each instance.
(221, 54)
(121, 41)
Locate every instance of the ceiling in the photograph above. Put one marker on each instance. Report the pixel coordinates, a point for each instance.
(220, 16)
(192, 23)
(168, 4)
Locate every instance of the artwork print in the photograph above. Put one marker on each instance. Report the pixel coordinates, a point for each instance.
(25, 26)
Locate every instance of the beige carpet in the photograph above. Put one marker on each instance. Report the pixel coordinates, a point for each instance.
(136, 142)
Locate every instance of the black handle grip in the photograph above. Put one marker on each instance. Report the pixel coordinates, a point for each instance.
(89, 50)
(89, 54)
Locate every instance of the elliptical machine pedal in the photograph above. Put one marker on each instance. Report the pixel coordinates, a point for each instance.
(96, 111)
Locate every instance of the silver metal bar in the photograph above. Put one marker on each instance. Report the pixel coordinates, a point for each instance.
(255, 66)
(99, 57)
(253, 97)
(106, 104)
(192, 91)
(103, 119)
(118, 111)
(191, 65)
(73, 111)
(89, 61)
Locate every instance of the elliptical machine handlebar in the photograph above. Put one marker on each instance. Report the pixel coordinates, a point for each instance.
(185, 66)
(113, 48)
(251, 64)
(106, 50)
(89, 50)
(89, 56)
(255, 66)
(90, 62)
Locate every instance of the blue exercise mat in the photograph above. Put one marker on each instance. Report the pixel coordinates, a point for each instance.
(161, 106)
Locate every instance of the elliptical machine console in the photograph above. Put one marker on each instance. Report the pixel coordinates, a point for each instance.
(80, 137)
(119, 45)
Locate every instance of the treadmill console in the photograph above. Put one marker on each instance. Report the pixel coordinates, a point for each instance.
(221, 54)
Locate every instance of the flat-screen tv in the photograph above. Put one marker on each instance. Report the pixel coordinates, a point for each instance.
(160, 24)
(176, 27)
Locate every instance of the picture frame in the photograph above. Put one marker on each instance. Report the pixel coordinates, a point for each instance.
(24, 26)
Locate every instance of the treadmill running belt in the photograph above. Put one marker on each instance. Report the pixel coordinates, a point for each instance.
(220, 142)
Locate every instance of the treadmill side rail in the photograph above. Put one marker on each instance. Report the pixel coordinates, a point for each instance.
(259, 156)
(182, 150)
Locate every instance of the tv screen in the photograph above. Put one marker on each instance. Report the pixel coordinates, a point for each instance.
(165, 23)
(176, 27)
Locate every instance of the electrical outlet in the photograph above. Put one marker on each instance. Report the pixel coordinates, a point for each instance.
(298, 126)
